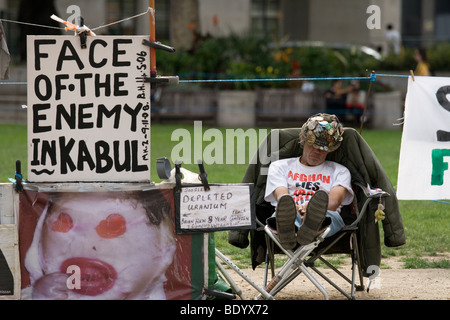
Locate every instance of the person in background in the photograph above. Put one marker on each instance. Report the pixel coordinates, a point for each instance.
(355, 102)
(393, 40)
(423, 67)
(336, 98)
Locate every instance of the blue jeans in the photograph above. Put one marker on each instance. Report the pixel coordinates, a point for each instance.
(336, 222)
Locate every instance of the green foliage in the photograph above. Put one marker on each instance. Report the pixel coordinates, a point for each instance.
(437, 54)
(242, 56)
(402, 62)
(247, 57)
(438, 57)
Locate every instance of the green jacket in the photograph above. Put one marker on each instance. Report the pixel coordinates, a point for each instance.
(355, 154)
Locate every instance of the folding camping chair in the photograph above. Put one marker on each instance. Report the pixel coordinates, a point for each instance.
(295, 263)
(345, 241)
(358, 217)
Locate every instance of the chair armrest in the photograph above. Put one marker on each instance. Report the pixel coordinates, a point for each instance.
(370, 193)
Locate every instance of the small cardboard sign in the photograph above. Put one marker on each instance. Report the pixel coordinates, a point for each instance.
(223, 207)
(88, 109)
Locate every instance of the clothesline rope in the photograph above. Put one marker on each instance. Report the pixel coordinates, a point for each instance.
(370, 78)
(276, 79)
(62, 28)
(31, 24)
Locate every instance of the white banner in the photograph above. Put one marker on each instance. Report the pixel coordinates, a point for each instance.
(88, 109)
(424, 172)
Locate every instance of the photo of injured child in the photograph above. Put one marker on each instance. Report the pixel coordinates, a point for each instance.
(101, 245)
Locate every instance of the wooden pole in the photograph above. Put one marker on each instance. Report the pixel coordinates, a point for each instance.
(151, 4)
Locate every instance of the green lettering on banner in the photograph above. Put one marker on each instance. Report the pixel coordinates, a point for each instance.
(439, 166)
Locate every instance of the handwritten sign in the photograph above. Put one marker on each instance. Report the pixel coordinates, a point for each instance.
(88, 111)
(223, 207)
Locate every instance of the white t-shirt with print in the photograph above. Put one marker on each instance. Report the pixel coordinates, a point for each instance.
(303, 181)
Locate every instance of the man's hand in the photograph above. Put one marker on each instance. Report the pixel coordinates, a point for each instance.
(301, 209)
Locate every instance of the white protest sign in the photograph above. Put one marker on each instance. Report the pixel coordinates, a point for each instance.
(88, 113)
(223, 207)
(425, 148)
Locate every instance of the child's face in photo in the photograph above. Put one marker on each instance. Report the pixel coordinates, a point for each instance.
(120, 253)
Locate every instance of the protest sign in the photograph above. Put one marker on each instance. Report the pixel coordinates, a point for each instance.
(223, 207)
(425, 148)
(88, 109)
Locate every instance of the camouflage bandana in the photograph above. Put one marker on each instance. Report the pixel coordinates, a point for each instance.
(322, 131)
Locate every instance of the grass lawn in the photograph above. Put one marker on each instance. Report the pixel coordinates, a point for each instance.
(426, 222)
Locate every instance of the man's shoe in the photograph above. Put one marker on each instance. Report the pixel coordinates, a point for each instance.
(286, 213)
(314, 217)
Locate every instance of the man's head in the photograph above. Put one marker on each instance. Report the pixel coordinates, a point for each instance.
(337, 83)
(322, 131)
